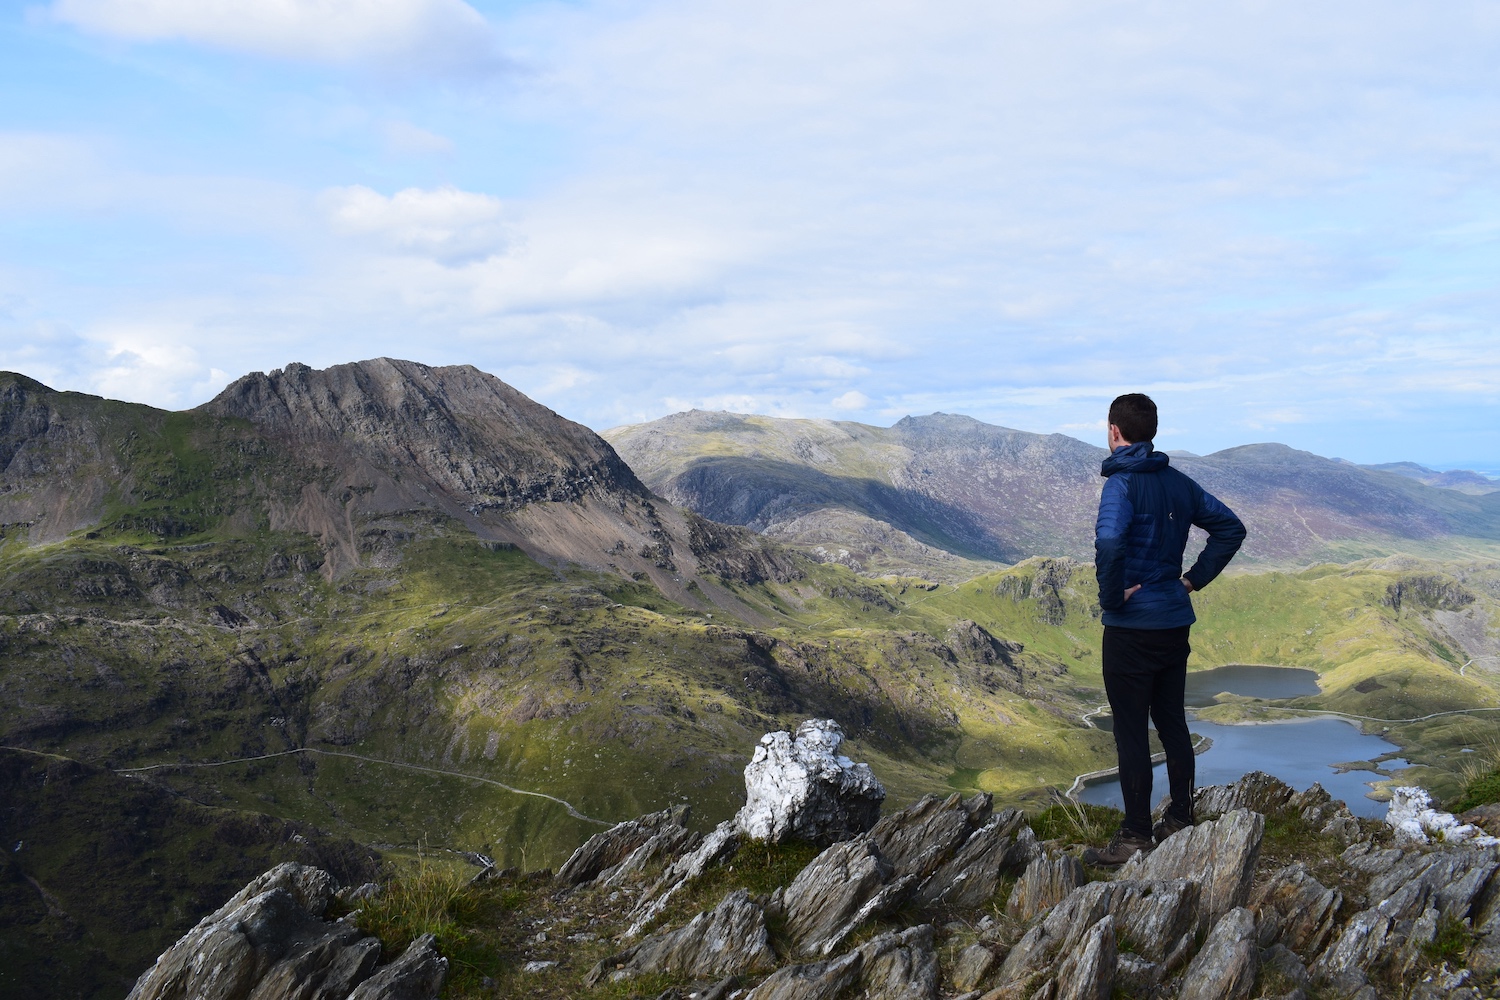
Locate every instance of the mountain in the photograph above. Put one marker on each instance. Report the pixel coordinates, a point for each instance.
(1462, 480)
(931, 492)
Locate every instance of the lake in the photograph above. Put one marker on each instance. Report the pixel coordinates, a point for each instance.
(1298, 752)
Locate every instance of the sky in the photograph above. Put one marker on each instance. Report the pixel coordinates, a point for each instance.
(1280, 219)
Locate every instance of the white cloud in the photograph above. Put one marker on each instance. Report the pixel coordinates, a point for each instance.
(444, 224)
(327, 31)
(851, 400)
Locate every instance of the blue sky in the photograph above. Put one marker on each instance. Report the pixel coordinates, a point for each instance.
(1282, 220)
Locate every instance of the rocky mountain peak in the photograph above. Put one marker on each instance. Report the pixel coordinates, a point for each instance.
(472, 435)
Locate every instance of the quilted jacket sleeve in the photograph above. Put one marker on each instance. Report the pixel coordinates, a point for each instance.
(1225, 533)
(1110, 531)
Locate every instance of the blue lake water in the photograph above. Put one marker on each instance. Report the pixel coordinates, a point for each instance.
(1298, 752)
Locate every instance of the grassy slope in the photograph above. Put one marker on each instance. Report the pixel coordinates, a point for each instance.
(102, 872)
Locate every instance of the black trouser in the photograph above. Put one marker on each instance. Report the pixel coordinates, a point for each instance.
(1145, 672)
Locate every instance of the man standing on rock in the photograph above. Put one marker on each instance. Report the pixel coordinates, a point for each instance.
(1144, 517)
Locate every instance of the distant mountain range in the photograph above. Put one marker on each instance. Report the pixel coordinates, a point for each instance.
(1462, 480)
(935, 493)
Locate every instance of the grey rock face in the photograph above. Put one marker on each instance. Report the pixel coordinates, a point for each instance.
(900, 966)
(1411, 894)
(1226, 967)
(604, 852)
(896, 966)
(974, 965)
(731, 938)
(801, 788)
(1088, 973)
(813, 981)
(1256, 792)
(1044, 884)
(1220, 855)
(1296, 910)
(955, 847)
(840, 889)
(416, 975)
(270, 940)
(720, 845)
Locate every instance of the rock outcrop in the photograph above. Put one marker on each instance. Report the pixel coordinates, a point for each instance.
(271, 940)
(629, 846)
(802, 788)
(729, 939)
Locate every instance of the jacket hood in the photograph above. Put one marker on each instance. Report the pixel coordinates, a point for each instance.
(1135, 458)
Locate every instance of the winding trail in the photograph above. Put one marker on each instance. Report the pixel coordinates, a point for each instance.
(351, 756)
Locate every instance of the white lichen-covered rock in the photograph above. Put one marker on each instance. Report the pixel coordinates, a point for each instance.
(1413, 818)
(802, 788)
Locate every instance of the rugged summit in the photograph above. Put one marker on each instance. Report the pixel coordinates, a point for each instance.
(931, 491)
(462, 431)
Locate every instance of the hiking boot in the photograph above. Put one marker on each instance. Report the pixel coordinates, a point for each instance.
(1123, 846)
(1169, 825)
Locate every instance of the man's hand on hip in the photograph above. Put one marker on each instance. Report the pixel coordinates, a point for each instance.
(1187, 585)
(1131, 592)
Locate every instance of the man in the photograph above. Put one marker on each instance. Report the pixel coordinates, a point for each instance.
(1144, 517)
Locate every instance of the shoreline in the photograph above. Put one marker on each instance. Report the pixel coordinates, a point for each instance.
(1080, 782)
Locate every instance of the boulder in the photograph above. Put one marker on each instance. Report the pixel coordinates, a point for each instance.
(729, 939)
(1159, 920)
(801, 788)
(1045, 882)
(840, 889)
(270, 940)
(1226, 966)
(1295, 910)
(1056, 935)
(1414, 819)
(1219, 854)
(602, 853)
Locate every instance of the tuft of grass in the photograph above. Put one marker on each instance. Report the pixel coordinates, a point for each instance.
(1450, 943)
(1076, 822)
(424, 899)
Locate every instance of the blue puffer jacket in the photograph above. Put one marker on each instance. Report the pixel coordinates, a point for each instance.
(1144, 517)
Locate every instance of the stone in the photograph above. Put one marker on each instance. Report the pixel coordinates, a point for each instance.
(716, 848)
(1219, 854)
(1057, 933)
(840, 889)
(899, 966)
(269, 939)
(1226, 966)
(417, 974)
(1486, 817)
(1326, 814)
(1279, 964)
(1358, 947)
(604, 851)
(974, 965)
(1158, 919)
(1136, 976)
(801, 788)
(1412, 816)
(729, 939)
(955, 847)
(1256, 792)
(1044, 883)
(1088, 973)
(1295, 910)
(812, 981)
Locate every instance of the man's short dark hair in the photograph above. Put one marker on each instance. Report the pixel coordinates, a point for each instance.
(1135, 415)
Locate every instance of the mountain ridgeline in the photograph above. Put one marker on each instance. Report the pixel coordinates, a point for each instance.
(934, 493)
(413, 609)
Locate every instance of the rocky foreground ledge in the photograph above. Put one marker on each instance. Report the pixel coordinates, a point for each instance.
(1275, 893)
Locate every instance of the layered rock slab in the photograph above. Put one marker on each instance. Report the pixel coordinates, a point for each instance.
(729, 939)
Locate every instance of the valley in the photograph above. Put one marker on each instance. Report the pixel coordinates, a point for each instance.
(409, 609)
